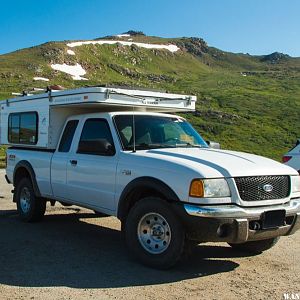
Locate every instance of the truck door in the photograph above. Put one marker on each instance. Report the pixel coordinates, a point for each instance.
(60, 161)
(91, 169)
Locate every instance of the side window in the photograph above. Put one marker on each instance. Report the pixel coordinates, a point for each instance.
(96, 138)
(23, 128)
(67, 137)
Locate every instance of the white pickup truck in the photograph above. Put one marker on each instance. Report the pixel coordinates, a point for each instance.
(157, 175)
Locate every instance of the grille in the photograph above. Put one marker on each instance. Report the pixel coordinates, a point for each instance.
(254, 188)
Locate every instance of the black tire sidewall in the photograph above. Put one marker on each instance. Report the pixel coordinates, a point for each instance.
(37, 206)
(175, 250)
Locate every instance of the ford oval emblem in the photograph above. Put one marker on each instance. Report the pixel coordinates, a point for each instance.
(268, 188)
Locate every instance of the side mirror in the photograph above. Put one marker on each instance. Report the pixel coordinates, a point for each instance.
(96, 147)
(213, 145)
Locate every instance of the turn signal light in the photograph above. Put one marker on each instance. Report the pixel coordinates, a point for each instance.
(197, 188)
(286, 159)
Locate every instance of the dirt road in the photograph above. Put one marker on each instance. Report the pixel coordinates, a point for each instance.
(73, 254)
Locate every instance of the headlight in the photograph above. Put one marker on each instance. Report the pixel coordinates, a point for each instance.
(295, 182)
(209, 188)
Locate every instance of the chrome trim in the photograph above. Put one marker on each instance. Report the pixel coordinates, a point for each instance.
(296, 225)
(234, 211)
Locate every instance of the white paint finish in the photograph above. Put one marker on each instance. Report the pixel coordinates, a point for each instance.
(70, 52)
(179, 166)
(170, 47)
(92, 180)
(40, 162)
(41, 106)
(40, 78)
(75, 71)
(213, 163)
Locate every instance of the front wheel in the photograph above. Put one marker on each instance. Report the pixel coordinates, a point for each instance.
(30, 207)
(255, 247)
(153, 233)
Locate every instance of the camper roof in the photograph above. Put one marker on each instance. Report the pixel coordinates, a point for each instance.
(118, 97)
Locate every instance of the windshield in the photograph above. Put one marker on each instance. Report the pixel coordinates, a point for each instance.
(153, 132)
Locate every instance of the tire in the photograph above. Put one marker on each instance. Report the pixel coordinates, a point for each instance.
(255, 247)
(30, 208)
(153, 233)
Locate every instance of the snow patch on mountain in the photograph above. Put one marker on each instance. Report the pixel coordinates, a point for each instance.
(70, 52)
(170, 47)
(40, 78)
(122, 35)
(75, 71)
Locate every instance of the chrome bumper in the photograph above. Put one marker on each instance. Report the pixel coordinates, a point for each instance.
(234, 211)
(238, 218)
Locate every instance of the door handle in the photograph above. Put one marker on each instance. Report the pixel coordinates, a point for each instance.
(73, 162)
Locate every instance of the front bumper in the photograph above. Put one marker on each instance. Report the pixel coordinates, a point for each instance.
(235, 224)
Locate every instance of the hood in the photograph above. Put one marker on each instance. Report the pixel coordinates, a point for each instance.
(211, 163)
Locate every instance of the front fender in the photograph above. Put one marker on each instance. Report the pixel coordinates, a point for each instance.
(140, 185)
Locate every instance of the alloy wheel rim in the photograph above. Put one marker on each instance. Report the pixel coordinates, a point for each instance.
(154, 233)
(25, 202)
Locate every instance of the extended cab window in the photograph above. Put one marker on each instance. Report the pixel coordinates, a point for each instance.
(96, 138)
(67, 137)
(23, 128)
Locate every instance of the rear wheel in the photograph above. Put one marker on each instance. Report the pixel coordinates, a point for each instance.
(30, 207)
(255, 247)
(153, 233)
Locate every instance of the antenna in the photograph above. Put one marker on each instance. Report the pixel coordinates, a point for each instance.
(133, 129)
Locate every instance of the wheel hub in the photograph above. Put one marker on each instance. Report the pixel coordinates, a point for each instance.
(25, 202)
(154, 233)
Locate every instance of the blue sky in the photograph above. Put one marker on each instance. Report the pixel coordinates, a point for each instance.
(253, 26)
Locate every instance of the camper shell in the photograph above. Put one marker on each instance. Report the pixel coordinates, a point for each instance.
(45, 114)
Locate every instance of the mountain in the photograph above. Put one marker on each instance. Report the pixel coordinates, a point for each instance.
(247, 103)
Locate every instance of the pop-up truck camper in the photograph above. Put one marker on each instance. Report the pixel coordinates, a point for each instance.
(124, 152)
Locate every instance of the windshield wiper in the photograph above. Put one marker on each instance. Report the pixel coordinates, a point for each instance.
(189, 145)
(145, 146)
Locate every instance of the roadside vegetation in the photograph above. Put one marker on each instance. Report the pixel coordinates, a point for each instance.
(2, 157)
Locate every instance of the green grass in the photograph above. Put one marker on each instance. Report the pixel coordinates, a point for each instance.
(257, 113)
(2, 157)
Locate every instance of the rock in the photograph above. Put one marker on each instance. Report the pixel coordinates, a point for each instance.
(195, 46)
(133, 32)
(274, 57)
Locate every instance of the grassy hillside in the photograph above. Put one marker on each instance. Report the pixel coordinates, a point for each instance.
(247, 103)
(2, 157)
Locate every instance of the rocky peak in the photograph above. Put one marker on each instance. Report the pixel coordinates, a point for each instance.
(193, 45)
(274, 57)
(134, 32)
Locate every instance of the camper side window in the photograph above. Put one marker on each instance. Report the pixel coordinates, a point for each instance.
(23, 128)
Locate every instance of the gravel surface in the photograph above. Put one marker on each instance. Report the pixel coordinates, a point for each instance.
(72, 254)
